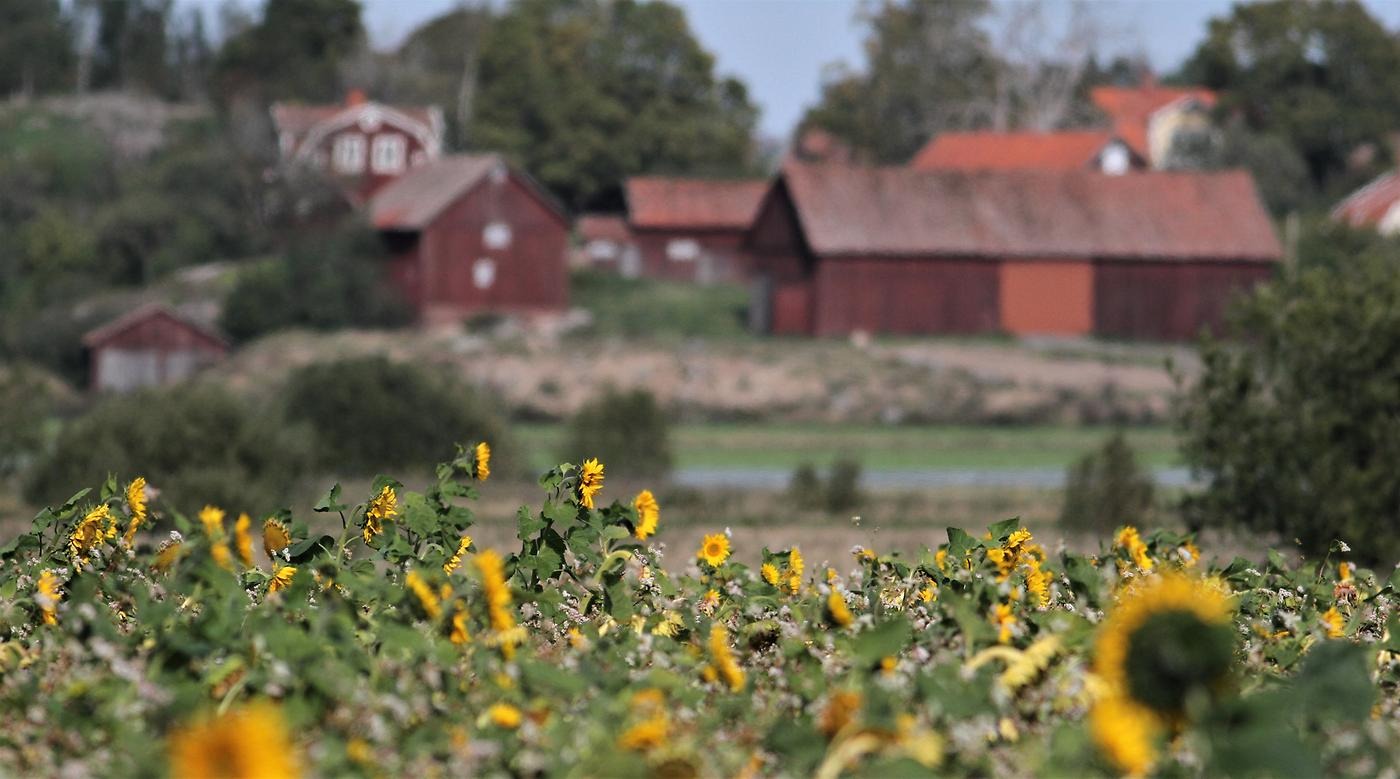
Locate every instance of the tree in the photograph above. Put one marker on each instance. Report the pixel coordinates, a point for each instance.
(1318, 75)
(929, 68)
(583, 93)
(1106, 488)
(1294, 423)
(294, 52)
(628, 431)
(36, 47)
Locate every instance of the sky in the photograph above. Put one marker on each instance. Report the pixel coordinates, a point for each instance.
(780, 48)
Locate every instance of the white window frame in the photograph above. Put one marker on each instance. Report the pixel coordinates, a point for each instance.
(683, 250)
(496, 236)
(484, 273)
(348, 154)
(1115, 159)
(388, 153)
(600, 249)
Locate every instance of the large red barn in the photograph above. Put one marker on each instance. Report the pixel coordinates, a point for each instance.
(896, 250)
(149, 347)
(692, 229)
(470, 234)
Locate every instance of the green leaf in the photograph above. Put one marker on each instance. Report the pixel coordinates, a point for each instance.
(959, 544)
(883, 640)
(310, 548)
(1003, 529)
(330, 501)
(527, 524)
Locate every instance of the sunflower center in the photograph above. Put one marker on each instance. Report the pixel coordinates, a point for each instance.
(1173, 655)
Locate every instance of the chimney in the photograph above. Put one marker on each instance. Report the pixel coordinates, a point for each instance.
(355, 97)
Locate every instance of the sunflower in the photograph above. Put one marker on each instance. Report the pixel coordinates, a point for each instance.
(247, 743)
(504, 715)
(709, 601)
(282, 579)
(837, 611)
(1004, 619)
(383, 506)
(167, 555)
(456, 560)
(482, 456)
(1130, 540)
(498, 601)
(1334, 623)
(47, 596)
(222, 556)
(1167, 637)
(212, 517)
(1126, 732)
(646, 735)
(243, 540)
(590, 481)
(275, 537)
(722, 659)
(136, 504)
(840, 710)
(714, 549)
(459, 634)
(648, 514)
(428, 599)
(769, 572)
(88, 534)
(794, 571)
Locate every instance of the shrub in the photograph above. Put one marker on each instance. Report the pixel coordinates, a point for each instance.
(805, 487)
(626, 430)
(196, 444)
(1106, 488)
(370, 414)
(323, 282)
(24, 409)
(843, 486)
(1294, 425)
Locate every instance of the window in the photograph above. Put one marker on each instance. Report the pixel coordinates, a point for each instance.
(496, 236)
(682, 250)
(602, 249)
(350, 153)
(1114, 160)
(484, 273)
(387, 154)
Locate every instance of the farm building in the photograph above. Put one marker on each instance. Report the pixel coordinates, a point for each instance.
(895, 250)
(1376, 205)
(149, 347)
(1099, 150)
(692, 229)
(1150, 117)
(469, 234)
(362, 143)
(606, 242)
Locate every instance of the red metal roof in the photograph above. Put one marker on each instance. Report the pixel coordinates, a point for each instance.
(100, 335)
(1367, 206)
(603, 227)
(412, 201)
(899, 211)
(697, 204)
(1130, 108)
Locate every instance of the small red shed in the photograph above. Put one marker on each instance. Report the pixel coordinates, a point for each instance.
(468, 234)
(606, 242)
(896, 250)
(693, 229)
(149, 347)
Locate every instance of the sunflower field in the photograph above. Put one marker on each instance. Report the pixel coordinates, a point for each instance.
(378, 639)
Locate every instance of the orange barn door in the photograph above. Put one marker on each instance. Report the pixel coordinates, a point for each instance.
(1049, 297)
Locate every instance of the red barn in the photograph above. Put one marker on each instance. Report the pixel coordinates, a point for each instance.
(1376, 205)
(470, 234)
(149, 347)
(1077, 150)
(897, 250)
(363, 143)
(606, 242)
(692, 229)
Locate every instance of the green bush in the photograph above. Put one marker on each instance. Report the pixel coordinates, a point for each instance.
(24, 410)
(839, 492)
(628, 431)
(371, 414)
(1294, 424)
(1106, 488)
(324, 282)
(195, 444)
(805, 487)
(650, 308)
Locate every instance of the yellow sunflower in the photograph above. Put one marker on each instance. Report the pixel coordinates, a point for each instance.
(1126, 732)
(247, 743)
(136, 504)
(282, 579)
(275, 537)
(648, 514)
(1333, 621)
(1167, 636)
(482, 455)
(212, 517)
(837, 610)
(714, 549)
(504, 715)
(47, 596)
(722, 659)
(456, 560)
(426, 597)
(243, 540)
(769, 572)
(88, 534)
(383, 506)
(590, 481)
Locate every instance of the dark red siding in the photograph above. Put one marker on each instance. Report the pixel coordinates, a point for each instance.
(905, 296)
(1168, 300)
(367, 183)
(166, 339)
(436, 272)
(722, 256)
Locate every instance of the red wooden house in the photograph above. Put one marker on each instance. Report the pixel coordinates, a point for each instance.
(1149, 117)
(896, 250)
(1099, 150)
(605, 242)
(362, 143)
(470, 234)
(148, 347)
(1376, 205)
(692, 229)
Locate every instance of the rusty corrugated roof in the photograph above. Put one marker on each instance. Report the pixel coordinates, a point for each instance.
(1072, 150)
(699, 204)
(899, 211)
